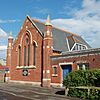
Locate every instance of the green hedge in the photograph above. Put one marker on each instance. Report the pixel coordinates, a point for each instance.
(87, 78)
(83, 93)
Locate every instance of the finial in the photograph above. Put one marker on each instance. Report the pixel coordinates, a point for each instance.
(48, 21)
(10, 35)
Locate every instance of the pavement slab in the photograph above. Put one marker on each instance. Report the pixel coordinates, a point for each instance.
(9, 96)
(31, 92)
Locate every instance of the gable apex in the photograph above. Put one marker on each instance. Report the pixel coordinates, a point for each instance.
(34, 25)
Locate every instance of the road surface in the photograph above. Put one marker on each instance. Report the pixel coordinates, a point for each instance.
(7, 96)
(13, 91)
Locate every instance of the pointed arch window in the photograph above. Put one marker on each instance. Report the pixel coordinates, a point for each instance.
(24, 55)
(27, 52)
(19, 55)
(34, 53)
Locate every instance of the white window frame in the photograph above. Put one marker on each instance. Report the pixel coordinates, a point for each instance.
(78, 44)
(68, 44)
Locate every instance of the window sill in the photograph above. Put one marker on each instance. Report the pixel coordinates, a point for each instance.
(28, 67)
(54, 75)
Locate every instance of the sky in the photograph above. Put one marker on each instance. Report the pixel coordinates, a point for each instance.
(78, 16)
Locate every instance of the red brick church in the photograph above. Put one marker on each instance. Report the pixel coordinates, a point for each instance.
(42, 54)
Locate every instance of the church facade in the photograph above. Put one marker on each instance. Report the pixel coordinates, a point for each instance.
(42, 54)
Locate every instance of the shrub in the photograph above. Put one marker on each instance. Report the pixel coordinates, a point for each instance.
(86, 78)
(83, 93)
(78, 93)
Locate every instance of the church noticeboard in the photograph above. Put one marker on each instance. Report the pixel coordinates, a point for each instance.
(25, 72)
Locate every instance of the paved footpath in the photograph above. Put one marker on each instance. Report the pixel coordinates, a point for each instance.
(9, 96)
(30, 92)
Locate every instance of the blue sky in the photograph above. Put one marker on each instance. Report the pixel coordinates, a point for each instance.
(79, 16)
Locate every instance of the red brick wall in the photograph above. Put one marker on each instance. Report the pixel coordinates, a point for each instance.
(56, 79)
(92, 59)
(47, 51)
(34, 74)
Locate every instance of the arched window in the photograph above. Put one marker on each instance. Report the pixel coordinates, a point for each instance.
(34, 53)
(19, 55)
(28, 55)
(27, 51)
(24, 55)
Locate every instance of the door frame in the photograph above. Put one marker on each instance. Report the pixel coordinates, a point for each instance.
(64, 63)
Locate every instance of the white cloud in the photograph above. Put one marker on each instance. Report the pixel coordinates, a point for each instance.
(90, 9)
(2, 48)
(85, 22)
(9, 21)
(3, 34)
(41, 10)
(3, 53)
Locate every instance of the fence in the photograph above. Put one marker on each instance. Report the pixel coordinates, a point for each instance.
(81, 87)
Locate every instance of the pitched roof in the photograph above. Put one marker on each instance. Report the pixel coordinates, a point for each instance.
(75, 53)
(80, 40)
(76, 39)
(71, 41)
(59, 37)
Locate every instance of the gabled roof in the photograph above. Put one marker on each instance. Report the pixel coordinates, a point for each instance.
(59, 37)
(76, 39)
(79, 39)
(71, 41)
